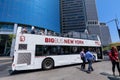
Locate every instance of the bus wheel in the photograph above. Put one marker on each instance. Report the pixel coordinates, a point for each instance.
(48, 64)
(11, 72)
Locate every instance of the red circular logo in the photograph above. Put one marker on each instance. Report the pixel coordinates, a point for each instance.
(22, 38)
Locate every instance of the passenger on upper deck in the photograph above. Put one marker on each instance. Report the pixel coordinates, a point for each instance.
(49, 33)
(24, 30)
(41, 32)
(33, 30)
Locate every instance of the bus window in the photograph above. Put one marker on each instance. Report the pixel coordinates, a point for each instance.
(99, 53)
(22, 47)
(39, 50)
(74, 50)
(66, 49)
(49, 50)
(46, 50)
(60, 50)
(53, 50)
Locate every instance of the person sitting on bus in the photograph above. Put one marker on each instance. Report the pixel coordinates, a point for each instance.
(41, 32)
(49, 33)
(33, 30)
(24, 30)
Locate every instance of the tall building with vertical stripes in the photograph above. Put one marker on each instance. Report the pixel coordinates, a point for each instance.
(73, 15)
(81, 15)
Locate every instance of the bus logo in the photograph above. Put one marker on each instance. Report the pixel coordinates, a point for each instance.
(22, 38)
(97, 43)
(65, 41)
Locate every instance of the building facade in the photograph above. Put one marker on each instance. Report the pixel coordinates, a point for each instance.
(73, 15)
(105, 34)
(81, 15)
(41, 13)
(91, 11)
(102, 30)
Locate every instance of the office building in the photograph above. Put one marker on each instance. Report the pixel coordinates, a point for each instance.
(81, 15)
(102, 30)
(73, 15)
(105, 34)
(91, 11)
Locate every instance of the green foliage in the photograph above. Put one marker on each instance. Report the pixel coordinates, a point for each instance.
(115, 44)
(106, 48)
(109, 46)
(11, 36)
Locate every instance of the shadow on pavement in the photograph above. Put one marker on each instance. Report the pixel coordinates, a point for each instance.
(24, 72)
(84, 70)
(110, 76)
(113, 78)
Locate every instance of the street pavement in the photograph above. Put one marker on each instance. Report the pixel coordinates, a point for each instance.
(102, 71)
(5, 63)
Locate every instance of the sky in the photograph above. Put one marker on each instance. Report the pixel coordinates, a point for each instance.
(108, 10)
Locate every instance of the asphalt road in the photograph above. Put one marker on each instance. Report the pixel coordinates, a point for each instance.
(102, 71)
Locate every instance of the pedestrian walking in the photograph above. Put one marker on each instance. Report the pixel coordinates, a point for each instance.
(113, 55)
(119, 55)
(82, 55)
(89, 56)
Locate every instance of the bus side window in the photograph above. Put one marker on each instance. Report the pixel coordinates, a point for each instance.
(39, 50)
(45, 50)
(22, 47)
(59, 50)
(54, 50)
(66, 50)
(74, 50)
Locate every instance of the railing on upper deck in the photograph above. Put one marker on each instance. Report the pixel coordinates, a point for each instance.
(70, 35)
(6, 31)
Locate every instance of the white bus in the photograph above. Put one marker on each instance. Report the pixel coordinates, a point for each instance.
(34, 51)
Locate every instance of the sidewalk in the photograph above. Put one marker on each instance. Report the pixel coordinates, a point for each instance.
(102, 71)
(5, 62)
(5, 58)
(106, 70)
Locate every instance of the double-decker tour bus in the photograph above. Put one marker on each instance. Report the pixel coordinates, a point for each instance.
(32, 51)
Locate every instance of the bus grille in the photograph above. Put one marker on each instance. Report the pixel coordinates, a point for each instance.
(24, 58)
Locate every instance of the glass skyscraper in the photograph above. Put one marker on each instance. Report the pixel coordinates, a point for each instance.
(73, 15)
(26, 13)
(39, 13)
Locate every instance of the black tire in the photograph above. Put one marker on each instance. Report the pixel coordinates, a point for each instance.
(11, 72)
(47, 64)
